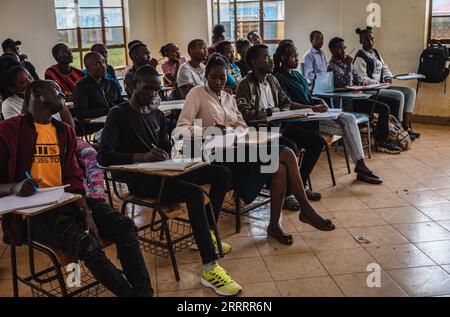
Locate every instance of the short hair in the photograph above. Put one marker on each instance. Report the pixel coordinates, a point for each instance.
(313, 35)
(145, 70)
(364, 32)
(220, 48)
(218, 32)
(12, 73)
(33, 87)
(334, 42)
(251, 33)
(286, 41)
(57, 48)
(164, 51)
(135, 48)
(193, 44)
(241, 43)
(253, 53)
(215, 60)
(130, 44)
(95, 47)
(90, 55)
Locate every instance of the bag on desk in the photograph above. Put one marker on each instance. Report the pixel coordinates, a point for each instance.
(398, 135)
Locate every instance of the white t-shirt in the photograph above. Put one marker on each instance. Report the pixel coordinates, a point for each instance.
(187, 75)
(12, 107)
(266, 100)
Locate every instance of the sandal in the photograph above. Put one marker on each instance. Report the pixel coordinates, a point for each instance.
(283, 239)
(327, 225)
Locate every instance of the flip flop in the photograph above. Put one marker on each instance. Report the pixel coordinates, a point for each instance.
(326, 226)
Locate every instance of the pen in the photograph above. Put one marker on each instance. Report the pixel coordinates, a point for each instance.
(27, 174)
(154, 147)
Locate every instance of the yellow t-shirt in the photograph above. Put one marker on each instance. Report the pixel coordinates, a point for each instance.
(46, 163)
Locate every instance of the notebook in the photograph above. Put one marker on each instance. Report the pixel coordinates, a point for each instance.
(294, 114)
(45, 197)
(332, 114)
(169, 165)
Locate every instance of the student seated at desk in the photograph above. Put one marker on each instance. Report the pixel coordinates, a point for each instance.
(214, 107)
(135, 132)
(7, 61)
(242, 47)
(62, 73)
(217, 37)
(110, 71)
(254, 38)
(370, 68)
(75, 228)
(13, 47)
(341, 65)
(95, 95)
(260, 92)
(226, 49)
(172, 65)
(315, 59)
(140, 55)
(297, 89)
(192, 73)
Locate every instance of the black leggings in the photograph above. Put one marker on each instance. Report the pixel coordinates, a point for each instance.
(383, 111)
(187, 189)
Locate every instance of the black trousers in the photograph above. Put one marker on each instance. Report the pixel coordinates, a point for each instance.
(306, 137)
(383, 111)
(65, 229)
(187, 189)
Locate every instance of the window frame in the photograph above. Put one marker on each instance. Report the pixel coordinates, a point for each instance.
(79, 49)
(430, 24)
(261, 21)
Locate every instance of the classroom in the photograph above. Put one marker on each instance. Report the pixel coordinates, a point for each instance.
(224, 148)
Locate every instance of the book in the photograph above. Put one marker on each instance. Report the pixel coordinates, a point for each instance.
(293, 114)
(331, 114)
(45, 197)
(169, 165)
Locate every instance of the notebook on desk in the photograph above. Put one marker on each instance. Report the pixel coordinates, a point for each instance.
(169, 165)
(293, 114)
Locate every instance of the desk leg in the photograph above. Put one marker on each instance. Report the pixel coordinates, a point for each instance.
(15, 282)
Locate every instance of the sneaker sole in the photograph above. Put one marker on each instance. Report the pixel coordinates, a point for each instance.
(383, 150)
(209, 285)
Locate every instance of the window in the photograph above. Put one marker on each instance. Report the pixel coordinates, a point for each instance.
(243, 16)
(440, 20)
(82, 23)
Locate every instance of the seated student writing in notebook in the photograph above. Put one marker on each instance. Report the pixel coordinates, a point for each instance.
(192, 73)
(297, 89)
(77, 227)
(62, 73)
(211, 106)
(110, 71)
(341, 65)
(315, 59)
(95, 95)
(135, 132)
(140, 55)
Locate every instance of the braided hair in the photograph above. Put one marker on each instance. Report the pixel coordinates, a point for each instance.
(286, 49)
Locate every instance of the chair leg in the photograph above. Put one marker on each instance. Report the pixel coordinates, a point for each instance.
(369, 139)
(14, 272)
(238, 213)
(330, 164)
(346, 158)
(171, 249)
(310, 184)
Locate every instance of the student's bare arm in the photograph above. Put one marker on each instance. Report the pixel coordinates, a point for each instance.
(299, 106)
(25, 188)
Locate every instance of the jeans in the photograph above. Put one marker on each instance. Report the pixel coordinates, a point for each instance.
(187, 189)
(64, 229)
(400, 99)
(347, 127)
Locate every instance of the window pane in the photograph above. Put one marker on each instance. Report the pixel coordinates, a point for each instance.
(243, 28)
(273, 30)
(248, 11)
(215, 12)
(227, 18)
(112, 3)
(272, 48)
(90, 37)
(89, 3)
(66, 19)
(274, 10)
(68, 37)
(65, 3)
(90, 18)
(441, 28)
(114, 36)
(116, 57)
(113, 17)
(76, 60)
(441, 7)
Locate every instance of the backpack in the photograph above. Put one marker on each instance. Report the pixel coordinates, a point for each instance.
(398, 135)
(432, 63)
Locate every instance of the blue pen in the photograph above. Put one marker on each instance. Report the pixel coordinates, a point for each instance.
(27, 174)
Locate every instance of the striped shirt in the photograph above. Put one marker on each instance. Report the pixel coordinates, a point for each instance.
(66, 82)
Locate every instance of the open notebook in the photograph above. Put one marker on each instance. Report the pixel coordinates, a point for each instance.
(169, 165)
(286, 115)
(45, 197)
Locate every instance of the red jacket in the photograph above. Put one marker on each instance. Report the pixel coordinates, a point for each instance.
(17, 144)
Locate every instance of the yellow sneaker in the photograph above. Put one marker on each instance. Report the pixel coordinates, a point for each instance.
(225, 246)
(221, 282)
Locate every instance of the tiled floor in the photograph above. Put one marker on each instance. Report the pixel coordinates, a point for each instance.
(407, 220)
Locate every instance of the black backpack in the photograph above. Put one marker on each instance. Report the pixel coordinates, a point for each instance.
(432, 63)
